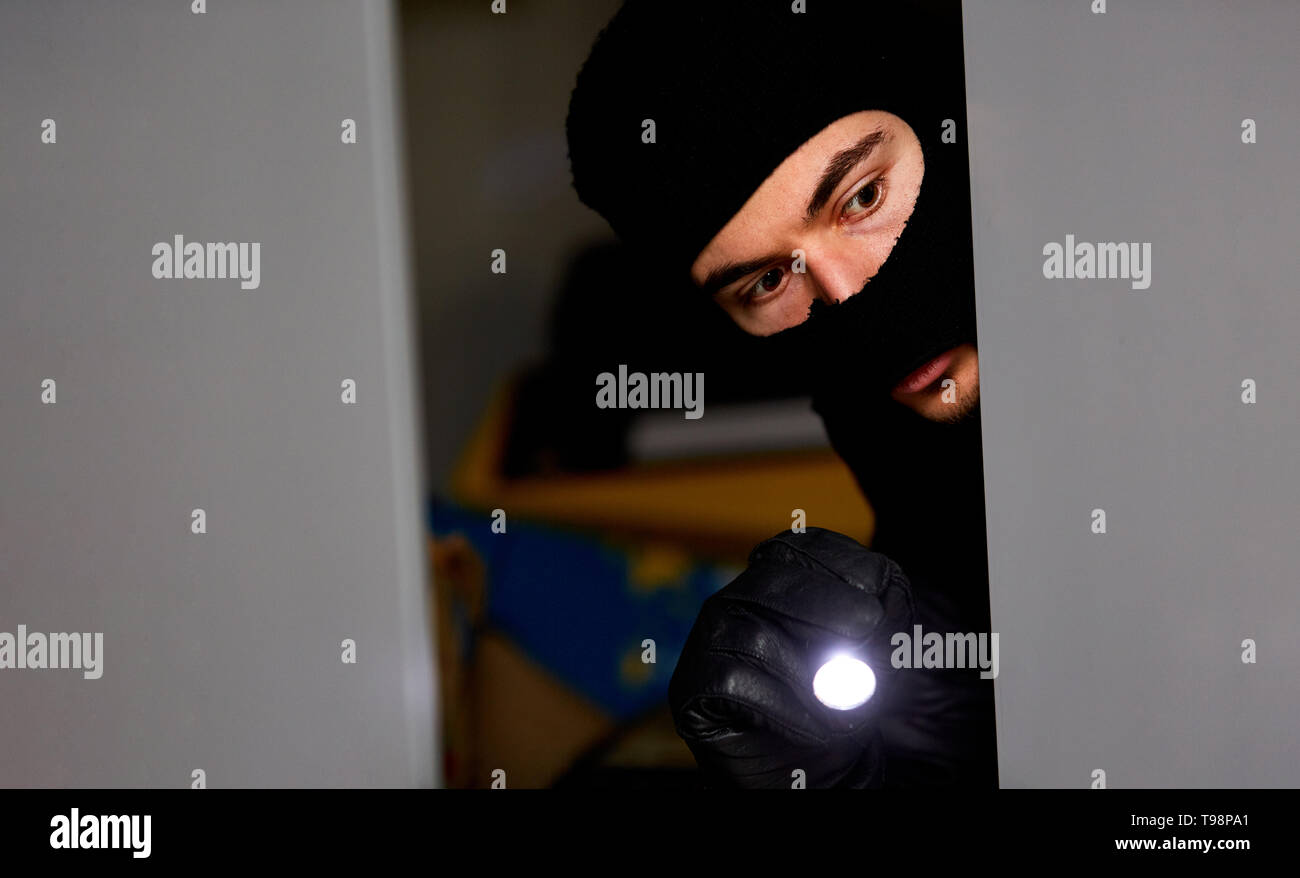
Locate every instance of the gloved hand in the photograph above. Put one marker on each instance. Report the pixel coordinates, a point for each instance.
(742, 692)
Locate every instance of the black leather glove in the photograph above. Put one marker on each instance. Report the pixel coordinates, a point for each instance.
(742, 693)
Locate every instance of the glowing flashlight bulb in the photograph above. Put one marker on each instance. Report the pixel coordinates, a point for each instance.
(844, 683)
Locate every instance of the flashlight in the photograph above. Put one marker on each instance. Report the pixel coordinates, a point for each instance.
(844, 683)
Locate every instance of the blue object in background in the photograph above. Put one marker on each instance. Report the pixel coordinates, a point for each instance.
(581, 606)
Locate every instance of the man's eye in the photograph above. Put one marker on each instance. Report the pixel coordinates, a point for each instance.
(766, 285)
(866, 200)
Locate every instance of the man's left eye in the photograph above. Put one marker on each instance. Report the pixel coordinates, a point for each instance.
(866, 200)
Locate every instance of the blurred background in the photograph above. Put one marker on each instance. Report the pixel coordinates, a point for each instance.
(618, 523)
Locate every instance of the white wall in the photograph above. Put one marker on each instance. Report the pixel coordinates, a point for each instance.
(222, 651)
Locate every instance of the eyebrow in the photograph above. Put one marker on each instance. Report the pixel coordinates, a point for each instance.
(730, 272)
(836, 170)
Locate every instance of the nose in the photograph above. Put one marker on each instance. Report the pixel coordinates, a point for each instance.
(837, 272)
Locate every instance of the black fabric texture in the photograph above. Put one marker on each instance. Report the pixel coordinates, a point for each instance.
(733, 88)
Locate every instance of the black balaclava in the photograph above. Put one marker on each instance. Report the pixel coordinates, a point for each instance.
(734, 88)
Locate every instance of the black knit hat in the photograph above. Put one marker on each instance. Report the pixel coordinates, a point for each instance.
(732, 87)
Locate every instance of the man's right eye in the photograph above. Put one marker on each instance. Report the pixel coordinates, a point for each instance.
(767, 285)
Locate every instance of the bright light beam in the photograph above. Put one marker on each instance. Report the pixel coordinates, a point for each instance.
(844, 683)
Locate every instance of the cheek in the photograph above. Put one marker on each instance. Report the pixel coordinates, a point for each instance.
(965, 369)
(871, 247)
(897, 215)
(863, 256)
(790, 310)
(907, 187)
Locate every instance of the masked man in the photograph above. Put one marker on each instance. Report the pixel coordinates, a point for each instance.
(803, 165)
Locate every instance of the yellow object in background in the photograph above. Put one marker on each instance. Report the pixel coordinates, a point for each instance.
(717, 507)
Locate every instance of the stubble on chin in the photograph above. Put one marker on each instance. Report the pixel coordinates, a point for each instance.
(952, 413)
(933, 408)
